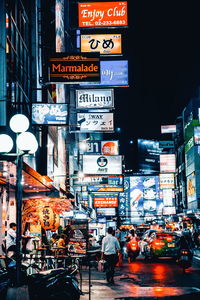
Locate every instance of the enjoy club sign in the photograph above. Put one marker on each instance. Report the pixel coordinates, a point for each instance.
(103, 14)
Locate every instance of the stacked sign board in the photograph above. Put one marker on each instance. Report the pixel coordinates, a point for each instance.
(95, 100)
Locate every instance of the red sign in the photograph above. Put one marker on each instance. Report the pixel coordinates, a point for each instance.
(105, 201)
(103, 14)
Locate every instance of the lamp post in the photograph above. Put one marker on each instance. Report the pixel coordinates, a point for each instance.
(26, 144)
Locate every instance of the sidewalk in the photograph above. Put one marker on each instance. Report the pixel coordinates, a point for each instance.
(127, 287)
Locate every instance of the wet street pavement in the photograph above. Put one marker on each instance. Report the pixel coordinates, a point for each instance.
(143, 279)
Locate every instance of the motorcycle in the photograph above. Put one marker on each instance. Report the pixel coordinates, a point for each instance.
(133, 250)
(52, 284)
(185, 259)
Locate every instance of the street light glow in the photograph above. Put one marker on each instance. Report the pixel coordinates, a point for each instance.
(26, 141)
(6, 143)
(19, 123)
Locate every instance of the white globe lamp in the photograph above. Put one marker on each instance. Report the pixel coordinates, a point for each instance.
(26, 141)
(19, 123)
(6, 143)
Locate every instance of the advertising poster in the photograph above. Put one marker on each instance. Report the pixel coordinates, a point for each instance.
(191, 188)
(94, 98)
(102, 165)
(141, 198)
(168, 197)
(78, 237)
(104, 43)
(95, 122)
(49, 114)
(167, 163)
(197, 135)
(102, 14)
(70, 68)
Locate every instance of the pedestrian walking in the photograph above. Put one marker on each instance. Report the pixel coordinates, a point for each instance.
(110, 250)
(11, 240)
(187, 234)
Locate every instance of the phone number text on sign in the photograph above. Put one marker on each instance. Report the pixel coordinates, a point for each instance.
(99, 14)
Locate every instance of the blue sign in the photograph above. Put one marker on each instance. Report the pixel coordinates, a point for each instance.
(49, 114)
(113, 73)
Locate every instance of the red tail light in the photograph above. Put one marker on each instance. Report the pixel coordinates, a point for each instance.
(133, 244)
(184, 252)
(169, 238)
(158, 244)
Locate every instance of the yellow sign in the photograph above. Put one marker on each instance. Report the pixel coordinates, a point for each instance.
(103, 43)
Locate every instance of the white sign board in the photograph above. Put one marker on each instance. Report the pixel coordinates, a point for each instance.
(95, 122)
(167, 163)
(94, 98)
(102, 164)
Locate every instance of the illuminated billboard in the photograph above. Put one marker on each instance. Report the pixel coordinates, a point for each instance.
(94, 98)
(110, 201)
(191, 188)
(70, 68)
(106, 188)
(167, 163)
(113, 73)
(140, 198)
(149, 156)
(102, 164)
(197, 135)
(109, 148)
(106, 211)
(49, 114)
(95, 122)
(103, 43)
(166, 181)
(168, 128)
(102, 14)
(169, 210)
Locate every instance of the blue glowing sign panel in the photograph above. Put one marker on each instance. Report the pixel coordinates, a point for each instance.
(113, 73)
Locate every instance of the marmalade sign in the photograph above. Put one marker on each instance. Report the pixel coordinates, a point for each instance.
(74, 68)
(103, 14)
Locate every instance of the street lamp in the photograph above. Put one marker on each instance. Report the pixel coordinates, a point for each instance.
(26, 143)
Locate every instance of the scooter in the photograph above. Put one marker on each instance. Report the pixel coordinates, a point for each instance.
(133, 250)
(52, 284)
(185, 259)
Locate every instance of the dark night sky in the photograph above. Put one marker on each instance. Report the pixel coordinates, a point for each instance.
(164, 69)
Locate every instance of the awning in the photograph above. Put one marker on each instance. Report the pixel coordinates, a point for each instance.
(32, 181)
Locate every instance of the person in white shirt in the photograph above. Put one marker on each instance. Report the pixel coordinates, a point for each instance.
(110, 249)
(11, 240)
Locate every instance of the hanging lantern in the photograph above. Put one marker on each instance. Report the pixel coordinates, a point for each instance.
(47, 218)
(56, 223)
